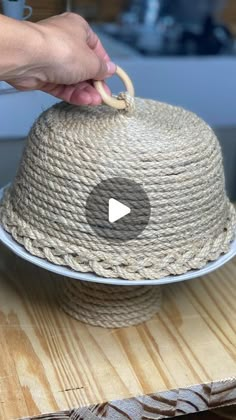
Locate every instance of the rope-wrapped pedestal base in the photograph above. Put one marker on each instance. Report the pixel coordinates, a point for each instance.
(107, 305)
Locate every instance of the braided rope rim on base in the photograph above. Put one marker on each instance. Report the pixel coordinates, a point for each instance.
(108, 306)
(81, 260)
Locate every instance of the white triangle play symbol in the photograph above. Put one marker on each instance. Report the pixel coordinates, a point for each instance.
(117, 210)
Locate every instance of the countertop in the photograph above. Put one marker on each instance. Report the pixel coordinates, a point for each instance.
(181, 361)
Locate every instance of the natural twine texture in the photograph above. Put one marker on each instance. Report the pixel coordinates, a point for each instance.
(108, 306)
(172, 153)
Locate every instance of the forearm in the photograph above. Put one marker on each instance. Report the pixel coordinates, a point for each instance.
(19, 44)
(59, 55)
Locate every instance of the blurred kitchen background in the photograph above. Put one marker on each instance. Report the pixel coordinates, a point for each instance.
(178, 51)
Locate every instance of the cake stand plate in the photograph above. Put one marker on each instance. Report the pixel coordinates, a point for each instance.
(19, 250)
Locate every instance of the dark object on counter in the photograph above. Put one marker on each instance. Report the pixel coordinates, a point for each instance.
(214, 39)
(174, 27)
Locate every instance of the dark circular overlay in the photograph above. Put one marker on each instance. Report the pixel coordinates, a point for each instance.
(130, 194)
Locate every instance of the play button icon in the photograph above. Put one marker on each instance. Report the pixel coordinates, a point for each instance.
(118, 209)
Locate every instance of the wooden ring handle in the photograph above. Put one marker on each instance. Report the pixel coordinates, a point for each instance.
(112, 100)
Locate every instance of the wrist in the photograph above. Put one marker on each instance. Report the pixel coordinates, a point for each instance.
(22, 47)
(35, 45)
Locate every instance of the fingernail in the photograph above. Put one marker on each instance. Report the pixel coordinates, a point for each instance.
(111, 67)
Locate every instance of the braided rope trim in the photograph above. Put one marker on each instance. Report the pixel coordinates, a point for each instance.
(151, 267)
(108, 306)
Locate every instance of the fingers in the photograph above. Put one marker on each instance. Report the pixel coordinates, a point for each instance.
(88, 95)
(81, 94)
(105, 67)
(98, 69)
(95, 44)
(78, 54)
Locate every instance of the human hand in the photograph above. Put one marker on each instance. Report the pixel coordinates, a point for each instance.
(66, 57)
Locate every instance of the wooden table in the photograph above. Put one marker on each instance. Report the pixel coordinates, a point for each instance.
(182, 361)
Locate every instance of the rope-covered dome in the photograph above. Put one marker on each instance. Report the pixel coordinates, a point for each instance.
(172, 153)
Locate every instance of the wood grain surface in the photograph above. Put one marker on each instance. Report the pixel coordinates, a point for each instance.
(181, 361)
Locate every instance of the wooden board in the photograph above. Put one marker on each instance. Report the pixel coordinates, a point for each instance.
(102, 10)
(94, 10)
(185, 356)
(229, 12)
(46, 8)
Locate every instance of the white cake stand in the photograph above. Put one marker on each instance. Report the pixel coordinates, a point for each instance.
(19, 250)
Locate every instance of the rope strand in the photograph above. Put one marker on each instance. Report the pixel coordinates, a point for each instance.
(171, 152)
(108, 306)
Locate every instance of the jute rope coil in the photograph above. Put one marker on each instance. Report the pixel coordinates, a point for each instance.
(108, 306)
(172, 153)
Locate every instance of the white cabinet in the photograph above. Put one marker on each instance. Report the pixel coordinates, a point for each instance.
(18, 110)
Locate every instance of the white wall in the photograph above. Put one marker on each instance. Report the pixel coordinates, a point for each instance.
(19, 110)
(206, 86)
